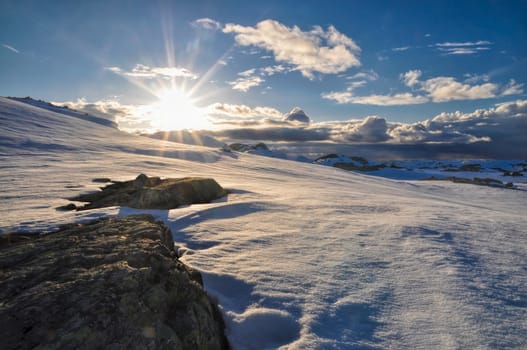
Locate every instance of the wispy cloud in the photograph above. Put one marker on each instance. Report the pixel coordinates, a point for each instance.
(10, 48)
(370, 75)
(254, 77)
(247, 73)
(348, 97)
(244, 84)
(402, 48)
(463, 48)
(146, 72)
(272, 70)
(316, 51)
(206, 23)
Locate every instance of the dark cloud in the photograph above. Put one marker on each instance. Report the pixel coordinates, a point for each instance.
(278, 134)
(371, 129)
(297, 115)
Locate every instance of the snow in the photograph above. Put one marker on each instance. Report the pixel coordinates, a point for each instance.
(299, 256)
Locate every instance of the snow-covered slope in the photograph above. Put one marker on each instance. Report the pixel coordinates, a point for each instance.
(300, 256)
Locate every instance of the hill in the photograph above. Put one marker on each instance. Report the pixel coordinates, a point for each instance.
(298, 255)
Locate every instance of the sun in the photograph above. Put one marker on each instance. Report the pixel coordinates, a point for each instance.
(176, 110)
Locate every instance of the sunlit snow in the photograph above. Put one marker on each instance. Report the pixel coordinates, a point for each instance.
(299, 256)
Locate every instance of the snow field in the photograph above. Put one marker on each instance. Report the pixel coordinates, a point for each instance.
(299, 256)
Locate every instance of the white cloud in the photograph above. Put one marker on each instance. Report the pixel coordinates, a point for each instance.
(128, 117)
(463, 48)
(243, 111)
(146, 72)
(247, 73)
(402, 48)
(370, 129)
(438, 89)
(370, 75)
(444, 89)
(411, 78)
(246, 83)
(317, 51)
(466, 43)
(206, 23)
(10, 48)
(512, 88)
(272, 70)
(347, 97)
(476, 78)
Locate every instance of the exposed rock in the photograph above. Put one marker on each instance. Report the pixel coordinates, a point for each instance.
(475, 181)
(102, 180)
(114, 283)
(354, 163)
(242, 147)
(153, 193)
(466, 167)
(361, 167)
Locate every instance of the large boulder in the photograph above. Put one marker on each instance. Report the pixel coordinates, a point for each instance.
(115, 283)
(153, 193)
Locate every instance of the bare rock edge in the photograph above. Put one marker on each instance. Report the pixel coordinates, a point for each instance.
(115, 283)
(151, 193)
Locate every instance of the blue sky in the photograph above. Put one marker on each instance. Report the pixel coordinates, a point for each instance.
(404, 61)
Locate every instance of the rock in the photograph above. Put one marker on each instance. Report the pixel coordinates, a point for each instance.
(153, 193)
(67, 207)
(114, 283)
(102, 180)
(242, 147)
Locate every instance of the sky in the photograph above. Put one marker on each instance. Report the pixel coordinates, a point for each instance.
(362, 71)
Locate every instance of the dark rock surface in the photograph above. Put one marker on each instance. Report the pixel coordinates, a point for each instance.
(474, 181)
(115, 283)
(152, 193)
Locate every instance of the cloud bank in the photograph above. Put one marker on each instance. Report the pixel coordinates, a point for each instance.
(496, 132)
(206, 23)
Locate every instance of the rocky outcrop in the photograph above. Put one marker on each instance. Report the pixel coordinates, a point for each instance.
(112, 284)
(152, 193)
(242, 147)
(474, 181)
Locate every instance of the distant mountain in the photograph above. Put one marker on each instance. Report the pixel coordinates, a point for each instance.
(65, 110)
(497, 173)
(297, 115)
